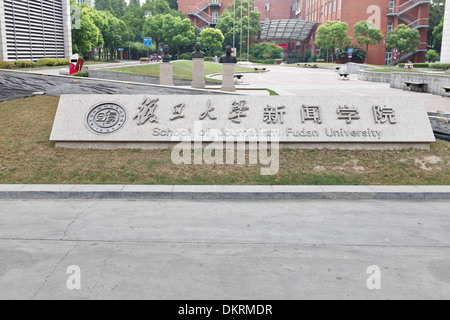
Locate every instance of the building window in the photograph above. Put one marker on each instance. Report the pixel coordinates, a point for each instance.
(339, 4)
(326, 9)
(292, 6)
(215, 16)
(267, 6)
(334, 5)
(255, 9)
(329, 7)
(389, 26)
(391, 6)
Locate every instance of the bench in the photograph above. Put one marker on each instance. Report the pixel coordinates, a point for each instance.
(313, 66)
(447, 90)
(238, 77)
(343, 76)
(260, 69)
(415, 86)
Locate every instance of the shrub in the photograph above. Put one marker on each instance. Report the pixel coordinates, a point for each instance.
(265, 50)
(443, 66)
(306, 56)
(421, 65)
(401, 65)
(24, 64)
(6, 64)
(186, 56)
(432, 55)
(83, 74)
(50, 62)
(268, 61)
(314, 58)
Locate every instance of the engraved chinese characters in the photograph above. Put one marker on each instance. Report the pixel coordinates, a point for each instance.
(106, 118)
(270, 115)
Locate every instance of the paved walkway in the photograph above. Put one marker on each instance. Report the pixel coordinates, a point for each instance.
(181, 249)
(310, 82)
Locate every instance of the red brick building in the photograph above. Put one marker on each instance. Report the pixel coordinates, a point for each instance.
(206, 12)
(386, 14)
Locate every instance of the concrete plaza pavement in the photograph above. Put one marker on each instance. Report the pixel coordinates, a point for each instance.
(299, 81)
(191, 249)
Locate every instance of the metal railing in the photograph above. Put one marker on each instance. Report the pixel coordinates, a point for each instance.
(419, 23)
(406, 6)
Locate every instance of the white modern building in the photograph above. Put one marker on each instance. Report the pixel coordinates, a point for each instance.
(445, 50)
(34, 29)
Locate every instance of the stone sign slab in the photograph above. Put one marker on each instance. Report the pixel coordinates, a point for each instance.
(333, 122)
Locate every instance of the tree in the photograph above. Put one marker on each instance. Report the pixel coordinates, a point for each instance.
(225, 23)
(153, 27)
(179, 32)
(134, 18)
(112, 30)
(333, 35)
(166, 28)
(115, 7)
(211, 39)
(432, 55)
(88, 35)
(403, 39)
(436, 15)
(366, 33)
(155, 7)
(437, 35)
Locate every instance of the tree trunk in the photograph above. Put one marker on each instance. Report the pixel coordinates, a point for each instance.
(367, 54)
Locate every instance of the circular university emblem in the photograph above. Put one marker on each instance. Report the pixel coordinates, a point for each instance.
(106, 118)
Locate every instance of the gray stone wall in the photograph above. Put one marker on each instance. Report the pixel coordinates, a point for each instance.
(374, 76)
(353, 68)
(434, 82)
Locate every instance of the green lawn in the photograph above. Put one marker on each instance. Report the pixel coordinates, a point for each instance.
(181, 69)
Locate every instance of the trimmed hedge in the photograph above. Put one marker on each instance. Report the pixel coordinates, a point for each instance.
(50, 62)
(268, 61)
(24, 64)
(442, 66)
(415, 65)
(6, 65)
(186, 56)
(421, 65)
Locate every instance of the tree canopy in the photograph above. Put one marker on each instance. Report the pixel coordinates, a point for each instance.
(436, 18)
(403, 39)
(226, 19)
(333, 35)
(366, 33)
(175, 31)
(211, 39)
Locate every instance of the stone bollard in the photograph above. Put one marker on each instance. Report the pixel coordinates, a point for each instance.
(198, 69)
(228, 62)
(166, 68)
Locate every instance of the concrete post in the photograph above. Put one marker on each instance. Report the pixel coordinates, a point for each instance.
(166, 74)
(445, 49)
(198, 73)
(67, 29)
(3, 47)
(228, 77)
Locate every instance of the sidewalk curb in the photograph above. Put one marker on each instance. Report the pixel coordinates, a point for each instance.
(150, 192)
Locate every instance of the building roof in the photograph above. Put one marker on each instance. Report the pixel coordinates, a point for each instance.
(287, 29)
